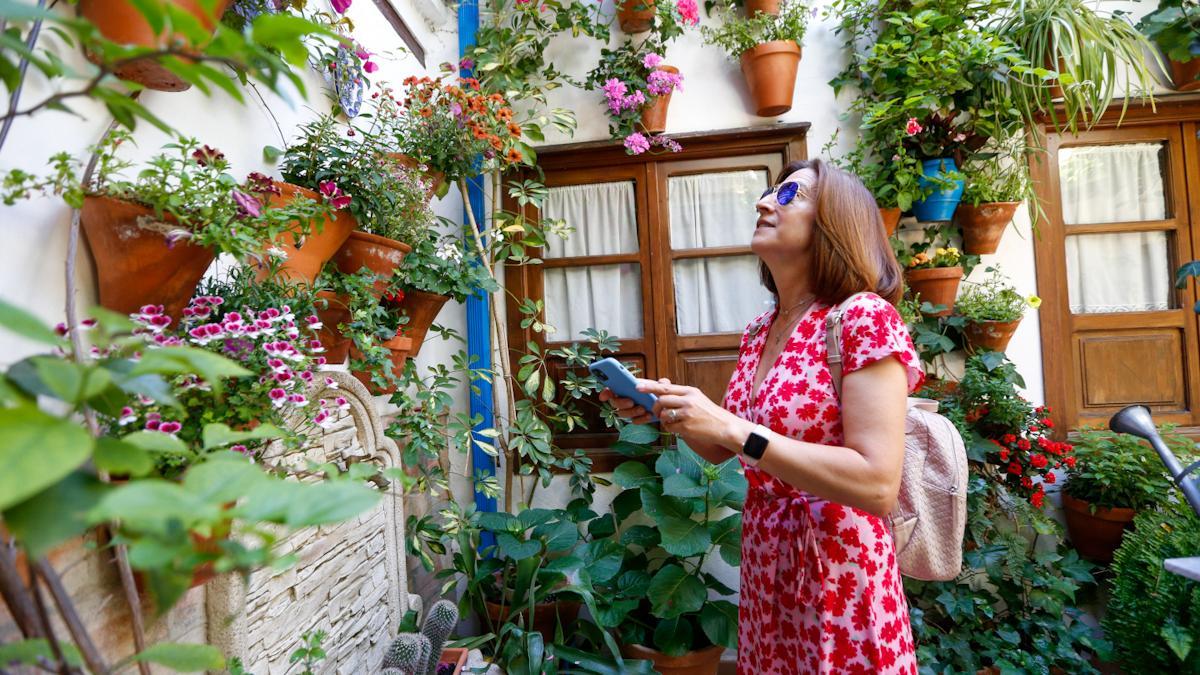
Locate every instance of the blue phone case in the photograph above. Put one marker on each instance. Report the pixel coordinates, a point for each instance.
(622, 383)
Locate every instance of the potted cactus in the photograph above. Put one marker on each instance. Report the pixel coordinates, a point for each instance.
(424, 653)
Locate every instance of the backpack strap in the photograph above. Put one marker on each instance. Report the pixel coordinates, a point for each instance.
(833, 340)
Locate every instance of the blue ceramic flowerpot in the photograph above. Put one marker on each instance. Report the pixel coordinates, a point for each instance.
(941, 204)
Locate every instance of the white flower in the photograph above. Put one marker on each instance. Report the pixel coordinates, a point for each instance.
(277, 252)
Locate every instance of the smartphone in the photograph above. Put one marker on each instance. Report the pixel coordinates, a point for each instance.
(622, 383)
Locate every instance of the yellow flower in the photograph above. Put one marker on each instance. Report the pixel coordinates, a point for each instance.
(951, 251)
(940, 251)
(1034, 301)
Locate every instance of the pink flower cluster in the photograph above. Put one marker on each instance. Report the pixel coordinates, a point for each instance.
(284, 355)
(333, 194)
(663, 82)
(637, 143)
(689, 11)
(618, 98)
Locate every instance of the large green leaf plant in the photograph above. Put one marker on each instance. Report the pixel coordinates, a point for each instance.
(58, 480)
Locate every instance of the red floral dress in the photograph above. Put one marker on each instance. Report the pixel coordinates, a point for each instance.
(821, 592)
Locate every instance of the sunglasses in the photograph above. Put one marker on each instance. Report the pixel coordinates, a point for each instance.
(784, 193)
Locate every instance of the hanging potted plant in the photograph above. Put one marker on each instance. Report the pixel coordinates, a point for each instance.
(1175, 27)
(637, 90)
(398, 212)
(378, 351)
(996, 184)
(1113, 478)
(768, 47)
(993, 310)
(935, 278)
(445, 124)
(153, 237)
(1091, 53)
(436, 271)
(136, 27)
(938, 140)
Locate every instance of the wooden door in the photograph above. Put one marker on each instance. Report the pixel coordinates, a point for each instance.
(1115, 330)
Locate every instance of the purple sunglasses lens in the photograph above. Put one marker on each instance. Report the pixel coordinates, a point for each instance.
(787, 192)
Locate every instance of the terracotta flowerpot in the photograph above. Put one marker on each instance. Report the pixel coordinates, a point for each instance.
(456, 656)
(135, 266)
(937, 286)
(545, 616)
(1095, 535)
(305, 259)
(700, 662)
(381, 255)
(770, 72)
(336, 344)
(1185, 74)
(765, 6)
(436, 178)
(984, 225)
(990, 335)
(121, 22)
(401, 347)
(891, 219)
(654, 113)
(634, 20)
(422, 308)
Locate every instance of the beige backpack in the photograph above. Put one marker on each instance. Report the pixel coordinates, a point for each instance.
(931, 512)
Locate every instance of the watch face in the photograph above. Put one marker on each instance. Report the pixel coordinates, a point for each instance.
(756, 444)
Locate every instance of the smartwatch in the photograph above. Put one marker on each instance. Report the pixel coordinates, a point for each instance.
(755, 445)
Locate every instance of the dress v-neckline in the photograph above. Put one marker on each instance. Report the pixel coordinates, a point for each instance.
(756, 384)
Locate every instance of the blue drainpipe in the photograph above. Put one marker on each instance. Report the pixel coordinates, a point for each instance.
(479, 341)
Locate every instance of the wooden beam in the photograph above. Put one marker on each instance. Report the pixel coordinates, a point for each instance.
(410, 39)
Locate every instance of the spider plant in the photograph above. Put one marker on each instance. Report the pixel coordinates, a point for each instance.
(1083, 51)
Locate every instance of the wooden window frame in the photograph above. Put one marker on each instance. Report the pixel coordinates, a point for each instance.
(607, 161)
(1062, 380)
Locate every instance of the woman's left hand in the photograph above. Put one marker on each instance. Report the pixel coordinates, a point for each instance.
(688, 412)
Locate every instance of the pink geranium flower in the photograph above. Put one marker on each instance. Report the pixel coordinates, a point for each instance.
(636, 143)
(340, 6)
(913, 127)
(689, 11)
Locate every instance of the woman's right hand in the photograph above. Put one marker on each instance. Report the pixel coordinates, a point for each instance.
(626, 408)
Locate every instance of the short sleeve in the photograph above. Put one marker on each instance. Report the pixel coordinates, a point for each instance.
(872, 330)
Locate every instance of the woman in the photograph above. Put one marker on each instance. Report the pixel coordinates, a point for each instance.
(820, 589)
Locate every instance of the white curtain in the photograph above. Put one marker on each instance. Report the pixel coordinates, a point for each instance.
(715, 295)
(1123, 272)
(607, 297)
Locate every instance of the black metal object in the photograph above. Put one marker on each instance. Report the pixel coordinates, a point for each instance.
(1136, 420)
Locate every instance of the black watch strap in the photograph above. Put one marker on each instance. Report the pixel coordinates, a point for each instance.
(755, 445)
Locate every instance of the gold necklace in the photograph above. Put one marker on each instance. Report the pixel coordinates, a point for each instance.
(791, 322)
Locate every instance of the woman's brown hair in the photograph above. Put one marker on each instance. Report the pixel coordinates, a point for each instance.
(850, 250)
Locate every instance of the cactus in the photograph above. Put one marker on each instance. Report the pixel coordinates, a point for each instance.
(409, 652)
(420, 653)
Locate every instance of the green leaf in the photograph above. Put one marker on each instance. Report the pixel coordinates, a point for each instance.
(223, 479)
(1186, 271)
(63, 378)
(21, 322)
(1179, 639)
(184, 658)
(282, 32)
(189, 361)
(673, 636)
(633, 474)
(673, 592)
(626, 504)
(152, 505)
(36, 451)
(683, 536)
(219, 435)
(156, 441)
(122, 459)
(719, 620)
(641, 535)
(55, 514)
(516, 549)
(640, 434)
(271, 154)
(682, 485)
(28, 652)
(325, 503)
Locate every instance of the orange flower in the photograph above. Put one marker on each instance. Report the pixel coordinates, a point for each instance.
(496, 98)
(514, 130)
(495, 141)
(505, 114)
(480, 134)
(426, 112)
(513, 155)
